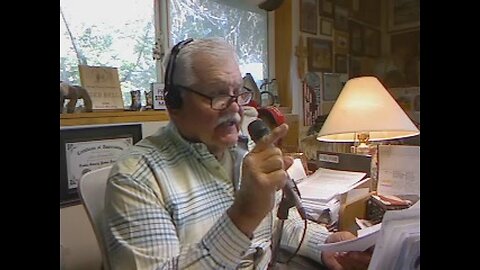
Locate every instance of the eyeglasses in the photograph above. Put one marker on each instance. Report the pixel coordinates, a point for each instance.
(222, 102)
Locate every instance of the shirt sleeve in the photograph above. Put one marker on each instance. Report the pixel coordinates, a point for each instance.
(140, 233)
(292, 234)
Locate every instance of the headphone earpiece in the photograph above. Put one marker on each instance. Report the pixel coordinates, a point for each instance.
(171, 93)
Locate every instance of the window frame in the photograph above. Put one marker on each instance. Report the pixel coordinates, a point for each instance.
(162, 28)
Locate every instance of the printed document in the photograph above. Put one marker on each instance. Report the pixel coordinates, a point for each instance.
(398, 170)
(325, 184)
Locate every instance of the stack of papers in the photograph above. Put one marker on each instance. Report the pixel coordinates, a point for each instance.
(398, 243)
(319, 191)
(325, 184)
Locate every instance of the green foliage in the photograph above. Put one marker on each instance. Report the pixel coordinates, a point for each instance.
(129, 46)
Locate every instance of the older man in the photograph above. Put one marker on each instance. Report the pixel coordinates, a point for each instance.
(191, 196)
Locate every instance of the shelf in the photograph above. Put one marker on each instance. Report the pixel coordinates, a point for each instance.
(112, 117)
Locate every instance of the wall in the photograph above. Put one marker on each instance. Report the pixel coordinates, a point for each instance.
(373, 46)
(78, 244)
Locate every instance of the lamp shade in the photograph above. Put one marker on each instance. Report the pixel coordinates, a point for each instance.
(365, 106)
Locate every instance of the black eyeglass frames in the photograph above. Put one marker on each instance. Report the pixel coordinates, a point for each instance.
(222, 102)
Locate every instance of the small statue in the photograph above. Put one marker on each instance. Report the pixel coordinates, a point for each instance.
(149, 99)
(136, 104)
(73, 93)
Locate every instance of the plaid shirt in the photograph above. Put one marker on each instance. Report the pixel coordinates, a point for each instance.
(165, 208)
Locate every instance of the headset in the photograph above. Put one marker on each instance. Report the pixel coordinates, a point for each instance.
(172, 96)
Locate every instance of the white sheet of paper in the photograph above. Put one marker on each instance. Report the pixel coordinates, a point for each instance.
(400, 232)
(361, 243)
(296, 171)
(325, 184)
(398, 170)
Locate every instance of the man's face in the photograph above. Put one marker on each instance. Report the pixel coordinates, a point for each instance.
(197, 121)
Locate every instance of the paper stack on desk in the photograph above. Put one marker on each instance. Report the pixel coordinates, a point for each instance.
(319, 191)
(325, 184)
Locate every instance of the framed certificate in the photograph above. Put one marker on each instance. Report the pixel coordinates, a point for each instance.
(86, 149)
(103, 86)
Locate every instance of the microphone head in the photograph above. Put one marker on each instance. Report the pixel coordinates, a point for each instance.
(257, 129)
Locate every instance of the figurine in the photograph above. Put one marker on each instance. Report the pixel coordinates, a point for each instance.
(136, 104)
(73, 93)
(149, 99)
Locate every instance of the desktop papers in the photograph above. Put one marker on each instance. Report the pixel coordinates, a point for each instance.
(296, 171)
(398, 243)
(325, 184)
(319, 191)
(398, 170)
(366, 238)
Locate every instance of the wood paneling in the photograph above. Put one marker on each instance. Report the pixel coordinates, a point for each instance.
(283, 51)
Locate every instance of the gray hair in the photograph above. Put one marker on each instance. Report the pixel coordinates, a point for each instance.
(218, 49)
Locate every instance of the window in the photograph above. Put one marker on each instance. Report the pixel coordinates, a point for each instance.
(121, 33)
(243, 26)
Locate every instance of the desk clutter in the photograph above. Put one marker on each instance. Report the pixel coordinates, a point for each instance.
(341, 194)
(378, 205)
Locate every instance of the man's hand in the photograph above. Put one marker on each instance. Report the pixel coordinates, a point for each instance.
(353, 260)
(263, 173)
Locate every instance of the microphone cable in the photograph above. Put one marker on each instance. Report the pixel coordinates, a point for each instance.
(304, 230)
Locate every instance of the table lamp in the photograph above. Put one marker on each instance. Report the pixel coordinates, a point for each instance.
(364, 112)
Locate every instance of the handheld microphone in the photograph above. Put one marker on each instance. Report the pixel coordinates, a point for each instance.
(257, 130)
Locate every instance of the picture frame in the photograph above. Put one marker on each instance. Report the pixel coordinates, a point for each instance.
(309, 16)
(103, 86)
(89, 148)
(354, 66)
(356, 39)
(326, 27)
(403, 14)
(341, 63)
(341, 41)
(406, 45)
(332, 85)
(371, 42)
(311, 89)
(366, 11)
(341, 18)
(319, 55)
(326, 8)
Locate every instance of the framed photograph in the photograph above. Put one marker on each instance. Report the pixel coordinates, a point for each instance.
(326, 27)
(366, 11)
(403, 14)
(356, 38)
(325, 8)
(371, 42)
(371, 11)
(319, 55)
(406, 46)
(332, 85)
(308, 16)
(354, 66)
(86, 149)
(341, 18)
(341, 42)
(341, 63)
